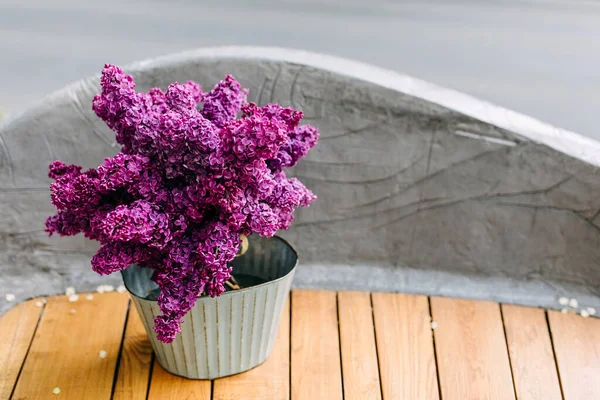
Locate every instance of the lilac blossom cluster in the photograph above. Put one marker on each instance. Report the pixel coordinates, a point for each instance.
(190, 178)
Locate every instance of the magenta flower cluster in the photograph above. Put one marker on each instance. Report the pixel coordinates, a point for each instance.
(190, 178)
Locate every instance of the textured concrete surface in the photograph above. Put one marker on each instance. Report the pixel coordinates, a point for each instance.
(539, 57)
(413, 196)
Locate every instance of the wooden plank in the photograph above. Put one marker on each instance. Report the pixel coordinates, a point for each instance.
(531, 355)
(405, 347)
(471, 350)
(359, 352)
(136, 359)
(65, 349)
(166, 386)
(17, 327)
(316, 366)
(271, 380)
(577, 348)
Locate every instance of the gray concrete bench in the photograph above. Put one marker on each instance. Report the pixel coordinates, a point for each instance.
(421, 189)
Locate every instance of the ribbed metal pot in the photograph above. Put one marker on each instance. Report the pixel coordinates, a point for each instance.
(228, 334)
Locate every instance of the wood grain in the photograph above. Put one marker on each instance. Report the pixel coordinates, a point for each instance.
(471, 350)
(405, 347)
(359, 352)
(531, 355)
(315, 347)
(271, 380)
(17, 327)
(577, 348)
(65, 348)
(469, 339)
(135, 362)
(166, 386)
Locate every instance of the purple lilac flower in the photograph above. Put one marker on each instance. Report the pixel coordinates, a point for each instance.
(115, 256)
(224, 102)
(189, 180)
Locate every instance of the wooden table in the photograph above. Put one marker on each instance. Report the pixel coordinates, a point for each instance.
(330, 345)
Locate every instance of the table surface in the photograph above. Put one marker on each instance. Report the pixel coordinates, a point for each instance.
(330, 345)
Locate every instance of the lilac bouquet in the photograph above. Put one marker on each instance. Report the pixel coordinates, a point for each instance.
(188, 183)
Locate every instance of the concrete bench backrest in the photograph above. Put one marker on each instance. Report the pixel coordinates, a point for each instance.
(421, 189)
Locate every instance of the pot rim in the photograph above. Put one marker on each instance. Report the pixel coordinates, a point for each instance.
(233, 292)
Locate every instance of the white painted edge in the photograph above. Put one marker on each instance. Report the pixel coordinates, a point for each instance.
(562, 140)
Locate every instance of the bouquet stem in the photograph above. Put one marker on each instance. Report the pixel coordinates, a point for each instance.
(232, 283)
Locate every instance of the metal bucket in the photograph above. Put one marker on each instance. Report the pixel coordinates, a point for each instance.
(231, 333)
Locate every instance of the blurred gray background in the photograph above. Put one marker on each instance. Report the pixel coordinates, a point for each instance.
(541, 58)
